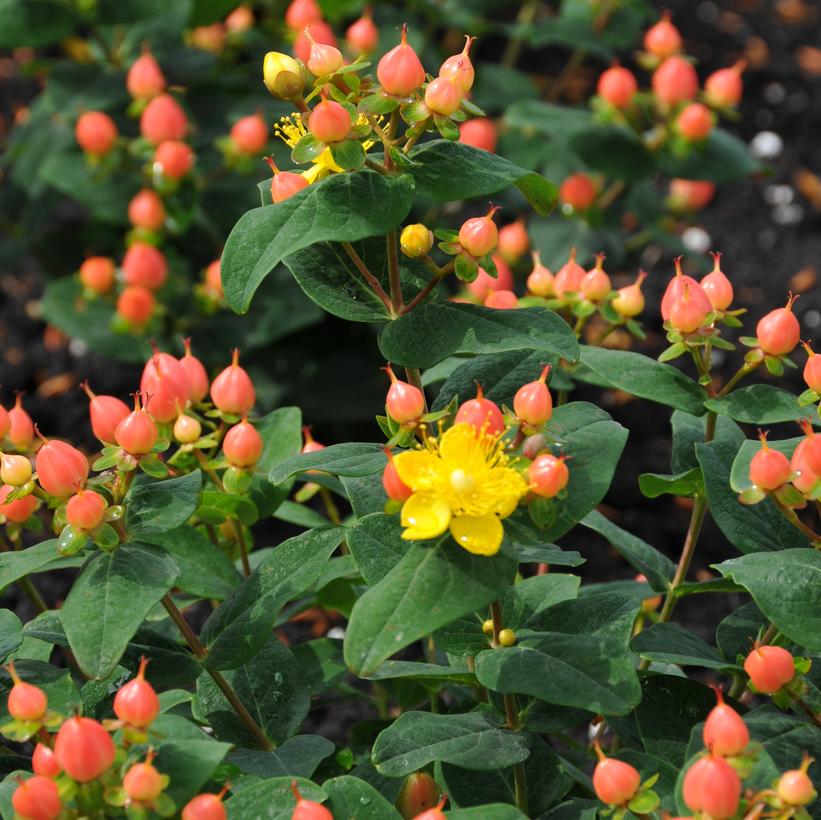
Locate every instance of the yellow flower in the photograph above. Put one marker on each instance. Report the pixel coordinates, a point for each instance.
(292, 129)
(462, 482)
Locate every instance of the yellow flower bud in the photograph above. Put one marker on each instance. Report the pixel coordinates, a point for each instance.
(14, 470)
(487, 627)
(283, 76)
(416, 241)
(507, 637)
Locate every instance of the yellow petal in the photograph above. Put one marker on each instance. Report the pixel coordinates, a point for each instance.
(419, 469)
(425, 516)
(326, 160)
(506, 487)
(481, 535)
(460, 446)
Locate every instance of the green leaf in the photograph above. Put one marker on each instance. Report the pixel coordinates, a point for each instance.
(205, 570)
(11, 633)
(110, 599)
(298, 756)
(281, 432)
(760, 528)
(723, 158)
(495, 811)
(34, 23)
(271, 799)
(452, 170)
(569, 670)
(343, 207)
(560, 121)
(544, 554)
(37, 558)
(270, 685)
(736, 633)
(354, 459)
(654, 565)
(351, 797)
(432, 585)
(616, 152)
(687, 484)
(157, 506)
(785, 586)
(641, 376)
(376, 542)
(191, 763)
(740, 471)
(689, 430)
(240, 627)
(525, 600)
(436, 330)
(760, 404)
(671, 643)
(477, 740)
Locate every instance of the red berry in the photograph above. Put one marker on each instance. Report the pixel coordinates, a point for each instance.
(142, 782)
(250, 134)
(513, 240)
(239, 20)
(285, 184)
(329, 121)
(84, 749)
(806, 477)
(233, 391)
(578, 192)
(479, 132)
(443, 96)
(323, 58)
(145, 78)
(86, 510)
(136, 433)
(483, 414)
(17, 511)
(725, 733)
(695, 122)
(675, 81)
(532, 402)
(794, 786)
(163, 119)
(812, 369)
(614, 781)
(724, 88)
(243, 445)
(395, 488)
(204, 807)
(569, 277)
(629, 300)
(37, 799)
(779, 332)
(435, 813)
(106, 413)
(95, 132)
(26, 702)
(687, 314)
(173, 159)
(662, 39)
(165, 380)
(548, 475)
(310, 445)
(405, 402)
(400, 71)
(596, 284)
(136, 304)
(61, 468)
(479, 235)
(362, 35)
(208, 38)
(675, 291)
(136, 703)
(811, 447)
(301, 13)
(484, 282)
(308, 809)
(98, 274)
(459, 68)
(146, 210)
(691, 194)
(5, 424)
(321, 32)
(617, 86)
(196, 372)
(769, 668)
(501, 300)
(44, 761)
(712, 786)
(540, 282)
(145, 266)
(21, 428)
(717, 286)
(419, 793)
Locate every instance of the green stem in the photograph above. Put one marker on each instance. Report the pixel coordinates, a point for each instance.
(513, 49)
(236, 525)
(746, 368)
(374, 283)
(200, 654)
(562, 397)
(32, 594)
(791, 516)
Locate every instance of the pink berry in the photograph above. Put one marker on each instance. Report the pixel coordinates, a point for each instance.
(239, 20)
(400, 71)
(310, 445)
(173, 158)
(136, 433)
(142, 782)
(136, 703)
(233, 391)
(459, 68)
(614, 781)
(323, 59)
(18, 511)
(695, 122)
(479, 132)
(243, 445)
(548, 475)
(712, 786)
(629, 300)
(419, 793)
(806, 477)
(204, 807)
(61, 468)
(329, 121)
(779, 332)
(691, 194)
(436, 812)
(617, 86)
(501, 300)
(145, 78)
(250, 135)
(284, 184)
(95, 132)
(795, 787)
(86, 510)
(362, 35)
(144, 266)
(540, 282)
(724, 88)
(163, 119)
(405, 402)
(308, 809)
(662, 39)
(769, 668)
(21, 428)
(483, 414)
(301, 13)
(26, 702)
(321, 32)
(37, 798)
(84, 749)
(513, 240)
(5, 424)
(98, 274)
(595, 284)
(812, 369)
(443, 96)
(675, 291)
(196, 372)
(479, 236)
(569, 277)
(136, 305)
(44, 761)
(166, 382)
(395, 488)
(675, 81)
(532, 402)
(717, 286)
(146, 210)
(725, 733)
(578, 192)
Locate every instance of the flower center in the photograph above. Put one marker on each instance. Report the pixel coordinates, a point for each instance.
(461, 481)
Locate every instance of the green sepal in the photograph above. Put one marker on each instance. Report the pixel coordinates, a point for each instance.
(107, 460)
(808, 397)
(378, 104)
(752, 495)
(775, 365)
(466, 268)
(348, 154)
(447, 128)
(71, 540)
(106, 538)
(151, 465)
(636, 329)
(307, 149)
(673, 352)
(542, 512)
(644, 802)
(237, 481)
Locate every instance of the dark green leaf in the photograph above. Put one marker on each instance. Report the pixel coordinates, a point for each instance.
(759, 404)
(11, 633)
(686, 484)
(544, 554)
(723, 158)
(37, 558)
(343, 207)
(617, 152)
(671, 643)
(736, 633)
(690, 430)
(477, 740)
(351, 797)
(299, 756)
(191, 762)
(350, 459)
(376, 543)
(271, 799)
(158, 506)
(607, 614)
(525, 600)
(34, 23)
(110, 599)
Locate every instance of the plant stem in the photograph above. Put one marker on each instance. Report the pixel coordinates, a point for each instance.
(421, 296)
(607, 198)
(791, 516)
(576, 59)
(393, 272)
(375, 286)
(330, 507)
(815, 718)
(200, 654)
(32, 594)
(513, 48)
(243, 548)
(746, 368)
